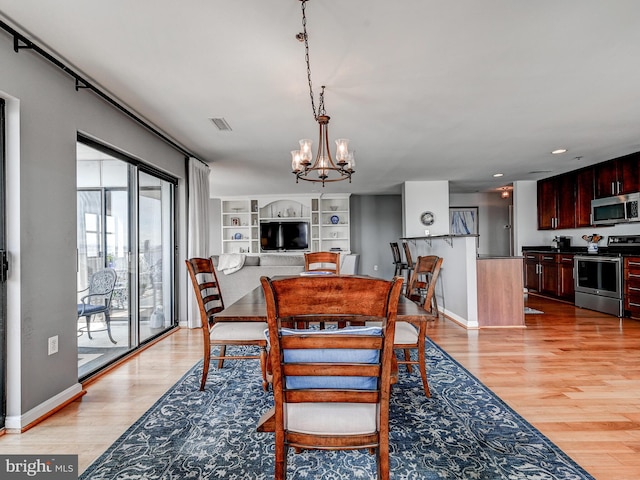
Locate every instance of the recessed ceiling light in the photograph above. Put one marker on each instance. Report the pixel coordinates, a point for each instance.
(498, 174)
(558, 151)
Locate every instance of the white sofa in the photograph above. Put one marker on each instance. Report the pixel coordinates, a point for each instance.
(235, 285)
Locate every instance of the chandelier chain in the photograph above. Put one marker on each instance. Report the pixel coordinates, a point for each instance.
(320, 110)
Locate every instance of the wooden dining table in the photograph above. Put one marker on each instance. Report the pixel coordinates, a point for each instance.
(252, 308)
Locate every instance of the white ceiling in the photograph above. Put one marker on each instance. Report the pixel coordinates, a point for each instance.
(424, 89)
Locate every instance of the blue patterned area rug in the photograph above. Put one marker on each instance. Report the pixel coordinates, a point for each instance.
(462, 432)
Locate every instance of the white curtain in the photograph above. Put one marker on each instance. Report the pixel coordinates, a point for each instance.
(198, 231)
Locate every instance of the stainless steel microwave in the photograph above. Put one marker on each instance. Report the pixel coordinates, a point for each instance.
(612, 210)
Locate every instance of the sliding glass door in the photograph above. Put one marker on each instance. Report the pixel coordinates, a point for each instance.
(155, 266)
(125, 223)
(3, 271)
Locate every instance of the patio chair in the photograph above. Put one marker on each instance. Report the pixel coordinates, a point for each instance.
(209, 297)
(331, 387)
(98, 301)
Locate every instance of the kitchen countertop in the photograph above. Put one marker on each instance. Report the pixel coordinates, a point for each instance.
(578, 251)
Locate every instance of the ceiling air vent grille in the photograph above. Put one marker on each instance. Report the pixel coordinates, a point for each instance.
(221, 124)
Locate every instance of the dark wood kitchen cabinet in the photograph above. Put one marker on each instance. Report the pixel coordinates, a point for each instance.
(532, 271)
(566, 285)
(547, 204)
(564, 201)
(556, 202)
(584, 195)
(617, 177)
(632, 287)
(549, 274)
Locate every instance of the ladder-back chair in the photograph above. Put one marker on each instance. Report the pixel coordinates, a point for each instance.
(209, 297)
(331, 387)
(322, 261)
(411, 336)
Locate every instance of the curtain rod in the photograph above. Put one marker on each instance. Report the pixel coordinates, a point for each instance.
(83, 83)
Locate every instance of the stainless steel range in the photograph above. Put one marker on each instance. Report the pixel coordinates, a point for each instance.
(598, 278)
(598, 283)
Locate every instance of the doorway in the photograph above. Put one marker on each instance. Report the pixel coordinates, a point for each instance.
(125, 224)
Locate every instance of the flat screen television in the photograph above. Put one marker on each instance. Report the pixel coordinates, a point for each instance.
(284, 235)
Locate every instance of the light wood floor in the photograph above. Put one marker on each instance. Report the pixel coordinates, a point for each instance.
(573, 373)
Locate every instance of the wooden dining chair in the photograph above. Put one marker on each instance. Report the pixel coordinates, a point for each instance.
(419, 282)
(331, 388)
(410, 335)
(222, 333)
(322, 261)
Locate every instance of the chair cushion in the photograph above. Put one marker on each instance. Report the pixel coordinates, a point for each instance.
(238, 331)
(331, 418)
(406, 333)
(90, 309)
(332, 355)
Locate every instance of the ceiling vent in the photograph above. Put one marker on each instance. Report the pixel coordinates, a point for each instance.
(221, 124)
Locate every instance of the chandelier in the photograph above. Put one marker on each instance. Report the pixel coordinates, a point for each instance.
(323, 169)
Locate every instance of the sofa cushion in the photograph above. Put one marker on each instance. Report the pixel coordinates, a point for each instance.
(252, 261)
(281, 260)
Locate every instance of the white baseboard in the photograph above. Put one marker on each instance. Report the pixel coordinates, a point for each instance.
(468, 324)
(18, 422)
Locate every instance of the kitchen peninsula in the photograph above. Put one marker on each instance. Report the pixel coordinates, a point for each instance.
(476, 292)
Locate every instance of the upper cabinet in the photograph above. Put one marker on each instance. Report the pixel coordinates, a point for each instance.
(618, 177)
(584, 194)
(564, 201)
(556, 202)
(547, 204)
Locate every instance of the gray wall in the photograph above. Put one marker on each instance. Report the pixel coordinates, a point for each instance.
(42, 214)
(376, 220)
(493, 220)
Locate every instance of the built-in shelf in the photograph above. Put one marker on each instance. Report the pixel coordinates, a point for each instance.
(244, 215)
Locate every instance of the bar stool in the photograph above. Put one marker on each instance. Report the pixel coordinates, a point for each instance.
(410, 264)
(397, 259)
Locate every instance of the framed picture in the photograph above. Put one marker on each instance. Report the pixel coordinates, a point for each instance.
(463, 220)
(235, 221)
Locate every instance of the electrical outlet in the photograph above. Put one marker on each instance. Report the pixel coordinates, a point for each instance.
(53, 344)
(375, 268)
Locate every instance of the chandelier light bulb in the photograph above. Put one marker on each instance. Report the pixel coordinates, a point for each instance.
(296, 162)
(351, 163)
(342, 150)
(305, 151)
(323, 164)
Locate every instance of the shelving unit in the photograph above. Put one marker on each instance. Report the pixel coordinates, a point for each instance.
(334, 228)
(238, 231)
(241, 218)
